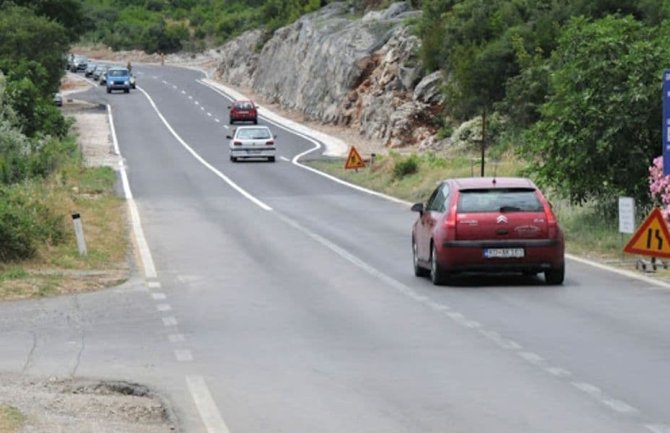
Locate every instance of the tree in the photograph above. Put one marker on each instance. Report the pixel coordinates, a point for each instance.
(600, 127)
(26, 37)
(68, 13)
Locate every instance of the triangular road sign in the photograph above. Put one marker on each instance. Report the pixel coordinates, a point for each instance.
(354, 159)
(651, 238)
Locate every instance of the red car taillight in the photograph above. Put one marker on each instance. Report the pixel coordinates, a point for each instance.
(270, 143)
(552, 224)
(237, 143)
(450, 220)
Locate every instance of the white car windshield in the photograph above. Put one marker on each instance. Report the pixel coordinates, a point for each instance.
(254, 133)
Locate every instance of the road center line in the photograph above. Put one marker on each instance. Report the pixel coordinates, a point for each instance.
(169, 321)
(204, 402)
(200, 159)
(158, 296)
(183, 355)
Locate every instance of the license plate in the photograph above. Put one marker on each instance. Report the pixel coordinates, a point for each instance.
(503, 253)
(254, 151)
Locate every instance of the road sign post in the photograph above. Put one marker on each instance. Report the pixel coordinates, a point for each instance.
(651, 238)
(354, 160)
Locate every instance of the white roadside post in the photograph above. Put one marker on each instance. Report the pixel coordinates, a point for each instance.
(79, 233)
(626, 217)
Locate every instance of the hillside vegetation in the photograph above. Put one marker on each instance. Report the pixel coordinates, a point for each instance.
(173, 25)
(572, 87)
(42, 178)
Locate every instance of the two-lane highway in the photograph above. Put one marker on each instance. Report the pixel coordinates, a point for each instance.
(286, 302)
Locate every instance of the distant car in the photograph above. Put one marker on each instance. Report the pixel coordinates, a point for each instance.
(79, 63)
(487, 225)
(58, 99)
(99, 69)
(118, 79)
(89, 69)
(252, 142)
(243, 111)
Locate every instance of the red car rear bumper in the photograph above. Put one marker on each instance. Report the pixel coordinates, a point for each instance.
(464, 256)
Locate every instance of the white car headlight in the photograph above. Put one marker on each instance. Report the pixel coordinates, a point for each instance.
(126, 82)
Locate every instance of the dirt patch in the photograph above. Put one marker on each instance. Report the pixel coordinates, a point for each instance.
(84, 406)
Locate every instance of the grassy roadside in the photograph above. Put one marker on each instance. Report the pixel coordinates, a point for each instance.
(11, 419)
(413, 178)
(57, 267)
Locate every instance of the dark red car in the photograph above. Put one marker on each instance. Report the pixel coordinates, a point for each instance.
(487, 225)
(243, 111)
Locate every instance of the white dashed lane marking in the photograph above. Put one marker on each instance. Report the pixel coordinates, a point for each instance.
(531, 357)
(169, 321)
(283, 158)
(558, 371)
(209, 114)
(190, 97)
(163, 307)
(154, 285)
(658, 428)
(183, 92)
(598, 394)
(183, 355)
(158, 296)
(176, 338)
(217, 120)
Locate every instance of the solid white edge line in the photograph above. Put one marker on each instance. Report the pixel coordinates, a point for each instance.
(622, 272)
(136, 223)
(209, 413)
(296, 162)
(200, 159)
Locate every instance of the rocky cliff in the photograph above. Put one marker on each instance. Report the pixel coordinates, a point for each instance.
(334, 67)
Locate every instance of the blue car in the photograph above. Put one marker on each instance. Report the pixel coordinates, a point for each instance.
(118, 79)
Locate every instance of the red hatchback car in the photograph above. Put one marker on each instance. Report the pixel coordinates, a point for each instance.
(243, 111)
(487, 225)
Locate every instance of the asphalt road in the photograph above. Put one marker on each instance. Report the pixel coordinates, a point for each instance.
(285, 302)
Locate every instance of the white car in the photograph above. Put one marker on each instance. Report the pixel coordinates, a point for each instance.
(252, 142)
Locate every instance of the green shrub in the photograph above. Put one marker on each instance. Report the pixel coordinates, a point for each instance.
(26, 221)
(406, 166)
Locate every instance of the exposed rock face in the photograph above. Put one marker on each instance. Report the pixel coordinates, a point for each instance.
(363, 73)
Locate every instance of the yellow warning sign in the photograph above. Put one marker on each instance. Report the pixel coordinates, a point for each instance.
(354, 159)
(651, 238)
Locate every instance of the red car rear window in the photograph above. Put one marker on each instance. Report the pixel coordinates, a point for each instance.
(244, 106)
(499, 200)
